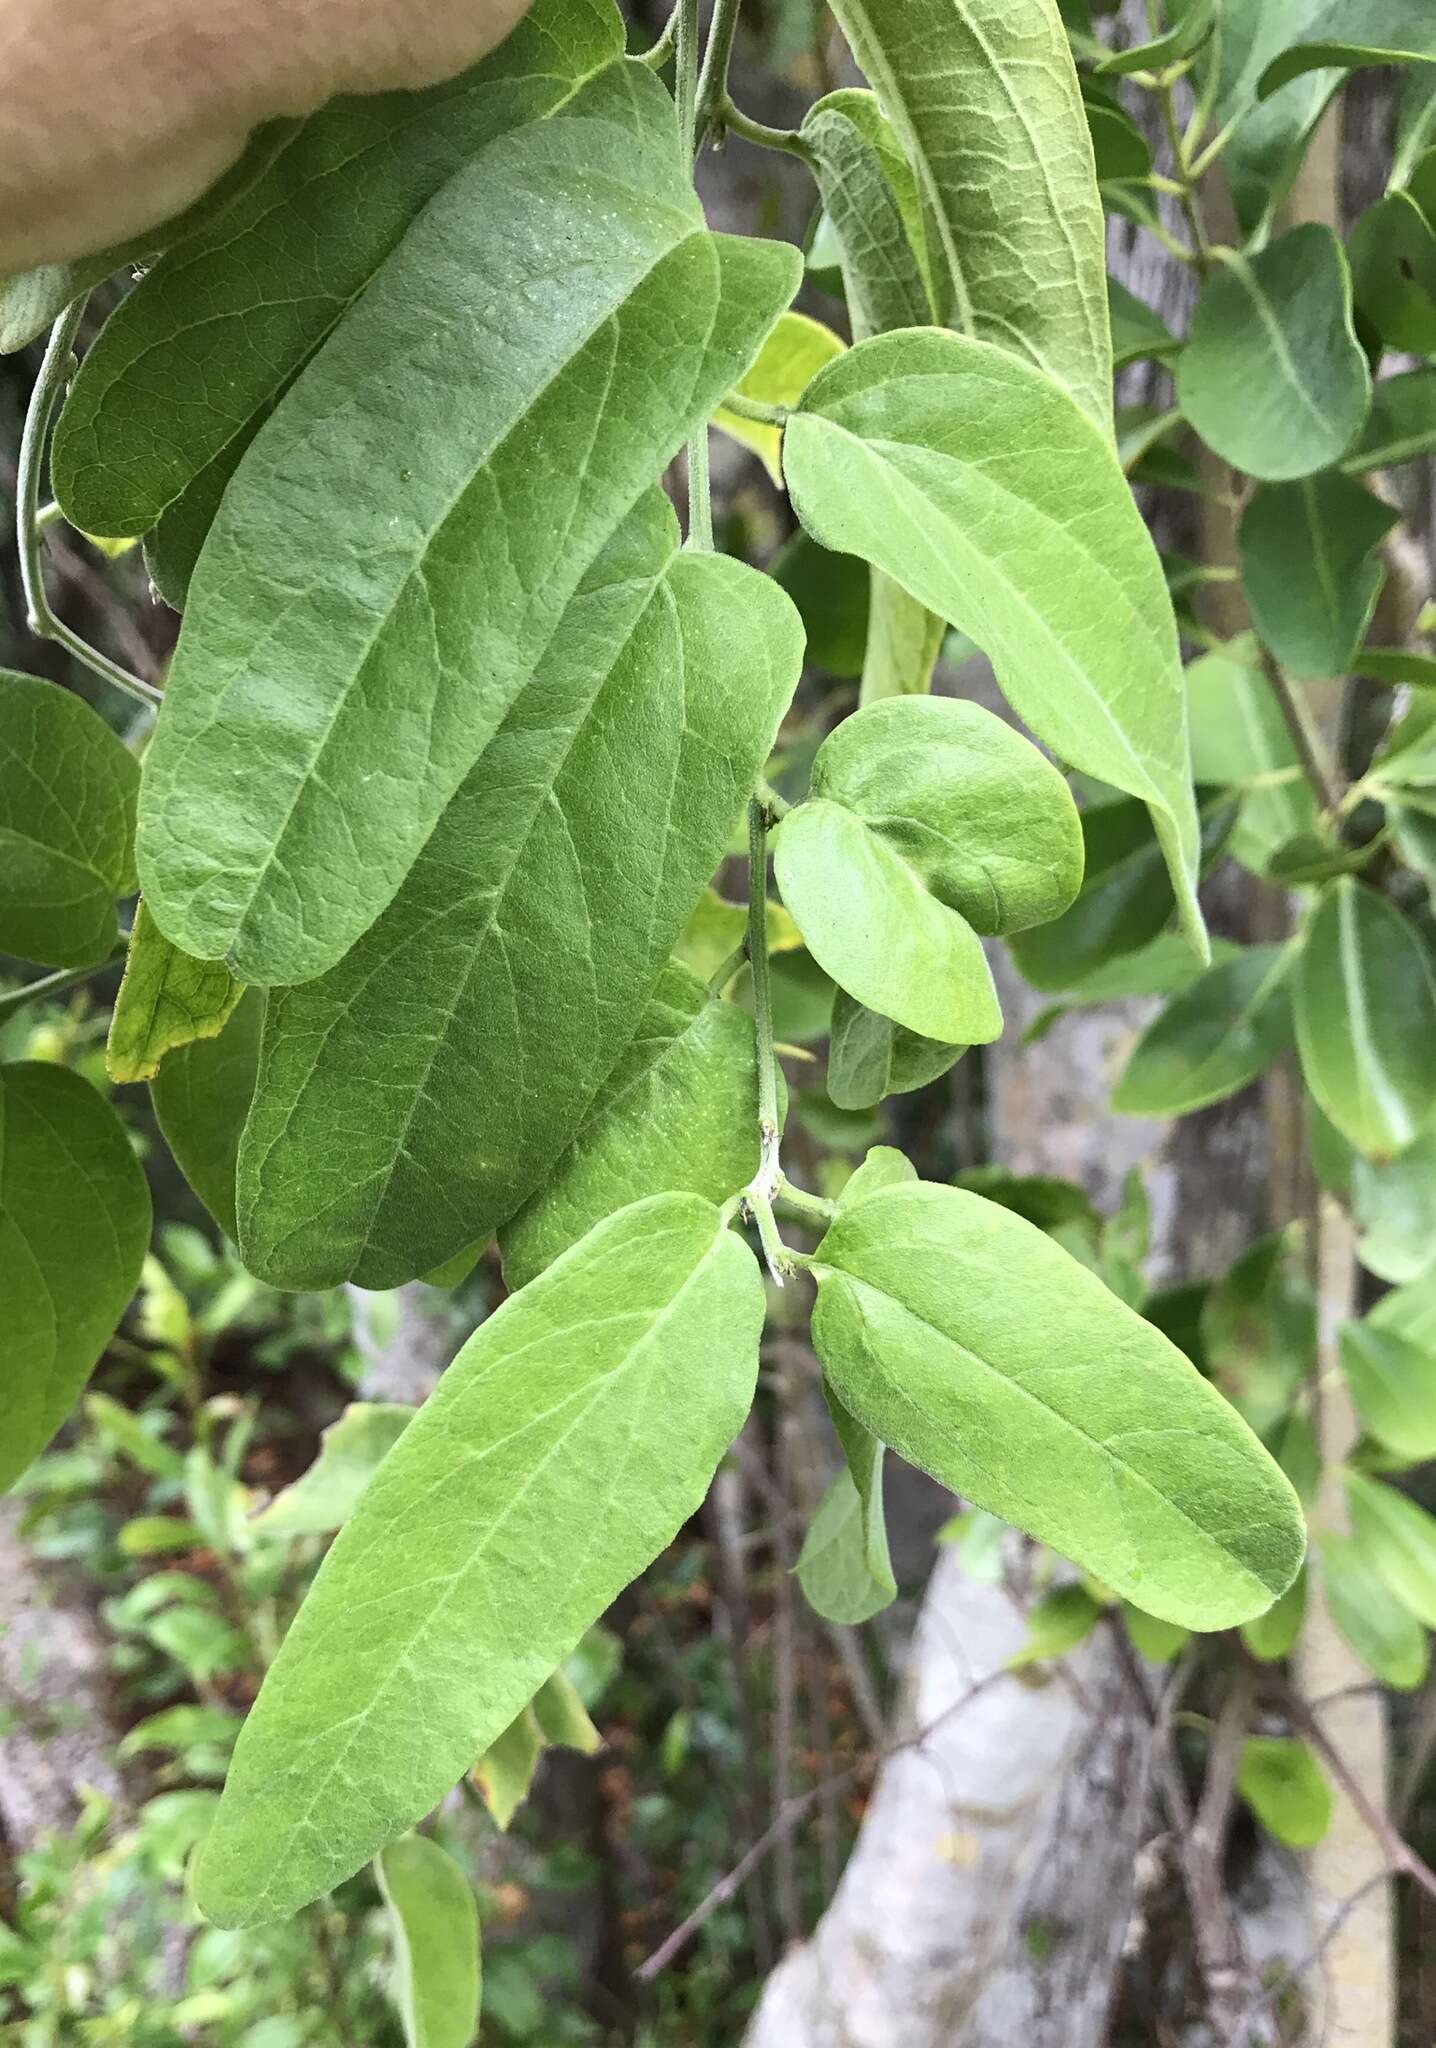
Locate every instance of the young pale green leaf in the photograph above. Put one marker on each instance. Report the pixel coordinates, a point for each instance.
(539, 1479)
(1308, 570)
(1366, 1019)
(1286, 1788)
(1401, 426)
(350, 1453)
(715, 930)
(844, 1567)
(781, 372)
(1397, 1540)
(976, 483)
(970, 1342)
(870, 1057)
(435, 1920)
(504, 1774)
(1386, 1636)
(74, 1229)
(1354, 33)
(1239, 737)
(486, 378)
(218, 328)
(413, 1098)
(679, 1113)
(201, 1097)
(984, 99)
(869, 921)
(904, 642)
(884, 1167)
(1393, 1389)
(1212, 1040)
(166, 1000)
(1272, 376)
(1060, 1621)
(870, 198)
(67, 825)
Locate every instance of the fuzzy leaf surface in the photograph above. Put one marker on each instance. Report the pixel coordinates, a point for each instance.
(435, 1921)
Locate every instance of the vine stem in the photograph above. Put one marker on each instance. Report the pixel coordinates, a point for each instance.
(712, 92)
(788, 140)
(700, 495)
(768, 1180)
(43, 623)
(1309, 750)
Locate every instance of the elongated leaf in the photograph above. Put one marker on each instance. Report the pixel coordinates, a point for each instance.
(410, 1100)
(1239, 737)
(350, 1453)
(985, 101)
(1393, 1389)
(870, 1057)
(1401, 425)
(166, 1000)
(74, 1228)
(67, 825)
(1286, 1788)
(969, 1341)
(679, 1113)
(1394, 1207)
(1308, 570)
(1396, 1540)
(786, 364)
(1386, 1636)
(1355, 33)
(201, 1097)
(435, 1919)
(1366, 1019)
(975, 483)
(483, 379)
(871, 201)
(543, 1475)
(1212, 1040)
(220, 327)
(1272, 376)
(554, 1718)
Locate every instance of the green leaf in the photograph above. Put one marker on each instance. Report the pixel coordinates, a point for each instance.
(785, 365)
(870, 922)
(1158, 1641)
(1137, 332)
(986, 105)
(1393, 267)
(1220, 1034)
(1386, 1636)
(679, 1113)
(871, 201)
(74, 1229)
(884, 1167)
(1193, 24)
(435, 1921)
(218, 329)
(1240, 737)
(1366, 1019)
(1307, 568)
(67, 825)
(1394, 1208)
(1395, 665)
(831, 593)
(1286, 1788)
(1353, 33)
(562, 1716)
(715, 930)
(976, 1347)
(976, 484)
(201, 1097)
(533, 1485)
(1272, 376)
(870, 1057)
(1058, 1622)
(1273, 1635)
(555, 1718)
(484, 389)
(904, 642)
(350, 1452)
(1397, 1540)
(1393, 1389)
(1401, 425)
(833, 1567)
(504, 983)
(1258, 1327)
(1120, 151)
(166, 1000)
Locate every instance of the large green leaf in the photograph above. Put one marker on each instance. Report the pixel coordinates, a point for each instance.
(435, 1918)
(1366, 1019)
(678, 1114)
(1355, 33)
(67, 825)
(218, 328)
(985, 100)
(1272, 376)
(969, 1341)
(1393, 1389)
(565, 1447)
(1397, 1540)
(166, 1000)
(74, 1228)
(201, 1097)
(1239, 737)
(1213, 1039)
(976, 483)
(1308, 570)
(312, 733)
(411, 1099)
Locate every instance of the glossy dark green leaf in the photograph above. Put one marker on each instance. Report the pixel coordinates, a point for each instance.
(1393, 1389)
(1395, 665)
(74, 1229)
(870, 1057)
(540, 1478)
(1386, 1636)
(1120, 151)
(482, 379)
(1366, 1019)
(351, 1451)
(201, 1097)
(1212, 1040)
(1393, 267)
(219, 327)
(435, 1920)
(412, 1099)
(1239, 739)
(67, 825)
(976, 484)
(166, 1000)
(1397, 1540)
(679, 1113)
(1401, 425)
(831, 593)
(1353, 33)
(1272, 376)
(976, 1347)
(1286, 1788)
(1308, 570)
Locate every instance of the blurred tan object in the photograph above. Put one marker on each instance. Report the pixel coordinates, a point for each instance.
(116, 114)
